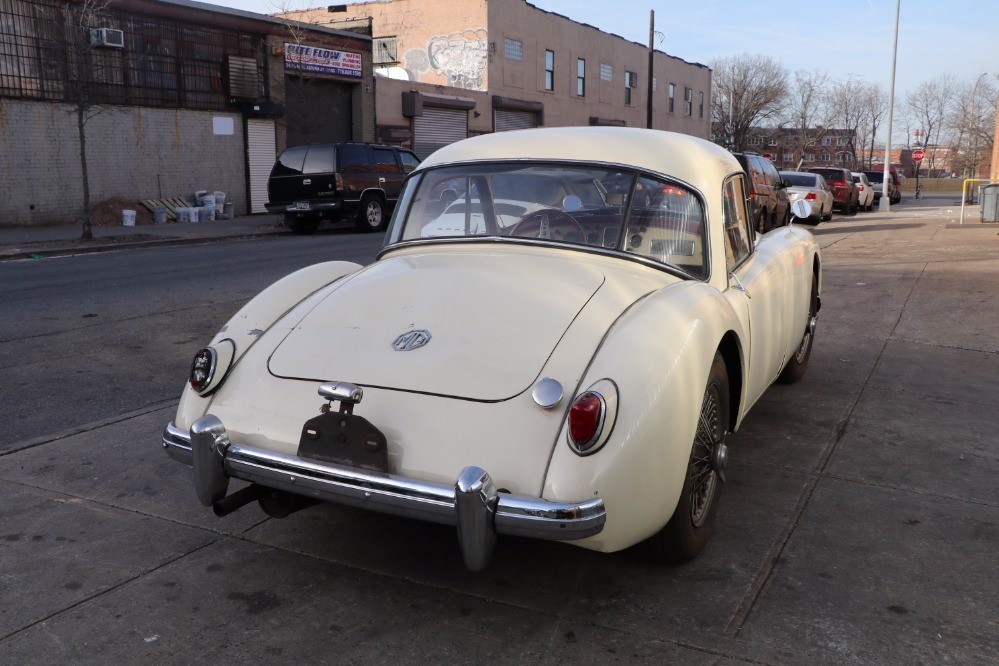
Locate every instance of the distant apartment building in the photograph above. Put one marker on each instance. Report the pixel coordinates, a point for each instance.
(790, 148)
(190, 97)
(448, 70)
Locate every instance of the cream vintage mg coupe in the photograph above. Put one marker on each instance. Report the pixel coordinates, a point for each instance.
(561, 329)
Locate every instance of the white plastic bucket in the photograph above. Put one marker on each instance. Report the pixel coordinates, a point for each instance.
(206, 213)
(183, 214)
(128, 218)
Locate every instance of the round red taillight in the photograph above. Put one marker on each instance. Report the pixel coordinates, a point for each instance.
(586, 417)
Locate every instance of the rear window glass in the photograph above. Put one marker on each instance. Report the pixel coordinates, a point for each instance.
(290, 162)
(801, 179)
(875, 176)
(320, 159)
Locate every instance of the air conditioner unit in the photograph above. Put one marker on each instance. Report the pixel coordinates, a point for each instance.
(107, 37)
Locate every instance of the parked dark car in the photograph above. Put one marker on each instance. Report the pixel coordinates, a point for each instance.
(334, 180)
(876, 176)
(845, 193)
(768, 198)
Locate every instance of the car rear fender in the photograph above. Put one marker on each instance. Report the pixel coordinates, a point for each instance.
(252, 320)
(659, 355)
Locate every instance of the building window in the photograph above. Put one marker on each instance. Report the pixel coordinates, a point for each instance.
(842, 141)
(630, 81)
(549, 70)
(824, 156)
(581, 77)
(700, 105)
(772, 142)
(606, 72)
(788, 157)
(655, 84)
(688, 101)
(826, 141)
(670, 96)
(809, 157)
(384, 51)
(754, 141)
(513, 49)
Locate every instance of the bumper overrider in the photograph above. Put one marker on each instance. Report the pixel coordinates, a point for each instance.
(472, 504)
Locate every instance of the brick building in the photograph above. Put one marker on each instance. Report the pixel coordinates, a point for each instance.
(789, 147)
(447, 70)
(191, 97)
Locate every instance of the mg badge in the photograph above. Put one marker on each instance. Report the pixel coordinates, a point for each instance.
(411, 340)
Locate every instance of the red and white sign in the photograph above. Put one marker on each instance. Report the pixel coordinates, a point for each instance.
(917, 155)
(769, 156)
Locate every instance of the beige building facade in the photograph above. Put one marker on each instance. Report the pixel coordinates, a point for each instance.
(447, 70)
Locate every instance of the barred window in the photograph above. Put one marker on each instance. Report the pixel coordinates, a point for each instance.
(606, 72)
(384, 51)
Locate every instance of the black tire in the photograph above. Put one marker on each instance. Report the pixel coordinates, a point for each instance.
(761, 222)
(854, 207)
(798, 363)
(371, 213)
(689, 528)
(828, 216)
(301, 225)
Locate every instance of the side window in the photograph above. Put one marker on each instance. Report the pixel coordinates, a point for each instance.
(353, 158)
(320, 160)
(738, 245)
(409, 161)
(290, 162)
(385, 161)
(666, 224)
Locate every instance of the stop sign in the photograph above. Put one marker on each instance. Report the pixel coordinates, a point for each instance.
(917, 155)
(769, 156)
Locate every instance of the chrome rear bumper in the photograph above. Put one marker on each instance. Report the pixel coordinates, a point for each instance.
(472, 504)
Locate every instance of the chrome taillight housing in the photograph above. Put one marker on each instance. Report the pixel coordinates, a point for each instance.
(591, 417)
(210, 366)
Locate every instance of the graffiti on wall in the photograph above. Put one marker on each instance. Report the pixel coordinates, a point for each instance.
(460, 57)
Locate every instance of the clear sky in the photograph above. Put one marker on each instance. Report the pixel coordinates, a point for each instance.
(842, 37)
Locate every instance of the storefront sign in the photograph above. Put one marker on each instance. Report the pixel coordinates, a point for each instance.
(322, 61)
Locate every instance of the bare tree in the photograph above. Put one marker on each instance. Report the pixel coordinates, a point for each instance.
(874, 107)
(848, 111)
(807, 111)
(971, 124)
(926, 108)
(82, 84)
(750, 90)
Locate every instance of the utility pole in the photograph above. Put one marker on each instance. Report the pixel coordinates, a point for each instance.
(884, 207)
(652, 34)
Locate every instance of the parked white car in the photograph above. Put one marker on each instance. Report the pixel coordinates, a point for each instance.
(810, 187)
(866, 191)
(569, 375)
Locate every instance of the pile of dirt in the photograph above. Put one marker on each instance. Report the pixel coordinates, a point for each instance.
(107, 213)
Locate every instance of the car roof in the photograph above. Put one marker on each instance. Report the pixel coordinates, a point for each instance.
(695, 161)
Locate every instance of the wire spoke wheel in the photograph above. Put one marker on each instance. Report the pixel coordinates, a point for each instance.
(704, 478)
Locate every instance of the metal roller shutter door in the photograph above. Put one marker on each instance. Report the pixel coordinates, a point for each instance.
(262, 152)
(513, 120)
(437, 128)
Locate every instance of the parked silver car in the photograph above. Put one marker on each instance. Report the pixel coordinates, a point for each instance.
(866, 191)
(812, 188)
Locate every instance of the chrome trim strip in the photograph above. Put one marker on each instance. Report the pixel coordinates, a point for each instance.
(397, 495)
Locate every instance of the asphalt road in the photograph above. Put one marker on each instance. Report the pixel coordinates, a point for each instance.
(94, 336)
(860, 522)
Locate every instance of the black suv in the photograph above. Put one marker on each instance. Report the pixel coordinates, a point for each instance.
(768, 200)
(332, 180)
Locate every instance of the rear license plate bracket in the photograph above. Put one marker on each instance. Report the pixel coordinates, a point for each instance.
(344, 439)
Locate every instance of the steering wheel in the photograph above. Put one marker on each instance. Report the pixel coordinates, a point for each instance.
(552, 224)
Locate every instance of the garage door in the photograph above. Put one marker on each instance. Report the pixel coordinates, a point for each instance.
(318, 111)
(504, 120)
(437, 128)
(261, 153)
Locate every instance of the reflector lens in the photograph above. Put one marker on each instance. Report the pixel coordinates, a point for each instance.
(585, 417)
(810, 196)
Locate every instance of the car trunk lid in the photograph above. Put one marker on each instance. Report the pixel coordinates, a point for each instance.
(473, 325)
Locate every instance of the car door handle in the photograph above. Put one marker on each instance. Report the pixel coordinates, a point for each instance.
(306, 181)
(738, 285)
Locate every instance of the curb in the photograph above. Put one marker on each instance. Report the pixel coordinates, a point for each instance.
(92, 249)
